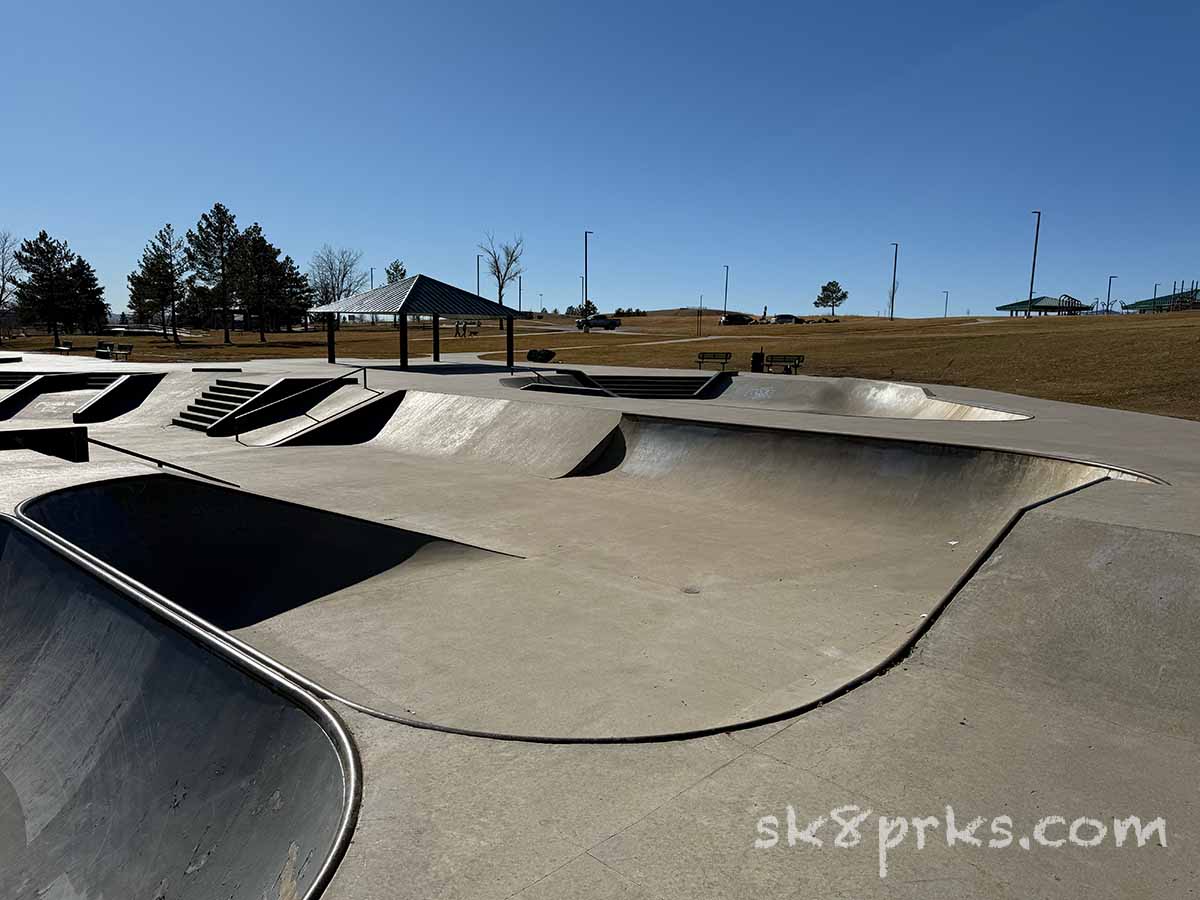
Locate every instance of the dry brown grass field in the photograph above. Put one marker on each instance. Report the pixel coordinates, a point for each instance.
(1148, 363)
(353, 342)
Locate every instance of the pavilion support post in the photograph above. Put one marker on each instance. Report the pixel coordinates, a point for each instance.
(508, 344)
(330, 349)
(403, 341)
(437, 343)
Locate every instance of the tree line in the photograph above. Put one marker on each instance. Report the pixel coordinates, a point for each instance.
(201, 279)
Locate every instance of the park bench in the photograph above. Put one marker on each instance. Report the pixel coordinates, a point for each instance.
(710, 357)
(104, 349)
(789, 363)
(121, 351)
(64, 347)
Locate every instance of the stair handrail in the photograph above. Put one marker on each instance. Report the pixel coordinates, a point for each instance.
(312, 387)
(159, 462)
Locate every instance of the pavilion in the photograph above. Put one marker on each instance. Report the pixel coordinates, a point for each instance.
(418, 295)
(1172, 302)
(1066, 305)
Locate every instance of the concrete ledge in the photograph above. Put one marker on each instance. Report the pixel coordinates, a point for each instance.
(68, 442)
(123, 395)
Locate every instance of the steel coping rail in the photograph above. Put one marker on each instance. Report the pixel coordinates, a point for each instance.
(212, 639)
(160, 462)
(894, 658)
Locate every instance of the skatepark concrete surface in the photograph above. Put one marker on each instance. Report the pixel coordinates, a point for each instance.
(134, 758)
(826, 396)
(586, 646)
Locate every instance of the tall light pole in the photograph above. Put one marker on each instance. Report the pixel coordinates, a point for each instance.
(518, 293)
(700, 318)
(725, 308)
(585, 269)
(1155, 297)
(946, 311)
(1108, 299)
(892, 302)
(478, 256)
(541, 302)
(372, 278)
(1036, 233)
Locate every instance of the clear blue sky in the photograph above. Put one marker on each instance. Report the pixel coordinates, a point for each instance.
(790, 141)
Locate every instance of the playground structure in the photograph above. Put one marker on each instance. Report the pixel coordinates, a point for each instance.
(1179, 300)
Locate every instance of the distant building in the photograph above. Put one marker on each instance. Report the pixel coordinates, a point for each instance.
(1066, 305)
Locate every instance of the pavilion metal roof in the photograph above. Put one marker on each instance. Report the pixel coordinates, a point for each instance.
(1178, 300)
(419, 295)
(1045, 303)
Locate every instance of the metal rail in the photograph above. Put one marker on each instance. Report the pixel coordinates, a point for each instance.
(292, 396)
(160, 462)
(197, 630)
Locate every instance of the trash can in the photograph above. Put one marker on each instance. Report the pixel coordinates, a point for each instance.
(756, 361)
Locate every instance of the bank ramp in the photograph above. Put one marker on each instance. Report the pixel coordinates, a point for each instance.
(139, 760)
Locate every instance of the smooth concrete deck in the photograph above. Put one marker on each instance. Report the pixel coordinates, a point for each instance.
(1057, 681)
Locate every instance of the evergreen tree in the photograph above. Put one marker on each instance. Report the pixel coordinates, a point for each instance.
(396, 271)
(145, 301)
(85, 308)
(209, 255)
(44, 293)
(832, 295)
(159, 284)
(257, 274)
(295, 294)
(197, 304)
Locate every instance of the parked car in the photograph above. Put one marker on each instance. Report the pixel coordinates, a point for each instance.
(608, 323)
(786, 319)
(737, 319)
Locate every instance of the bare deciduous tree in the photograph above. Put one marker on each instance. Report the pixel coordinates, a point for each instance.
(504, 262)
(8, 271)
(334, 274)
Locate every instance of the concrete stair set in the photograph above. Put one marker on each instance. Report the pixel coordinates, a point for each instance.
(221, 398)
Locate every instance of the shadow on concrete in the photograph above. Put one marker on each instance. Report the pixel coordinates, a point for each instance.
(231, 557)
